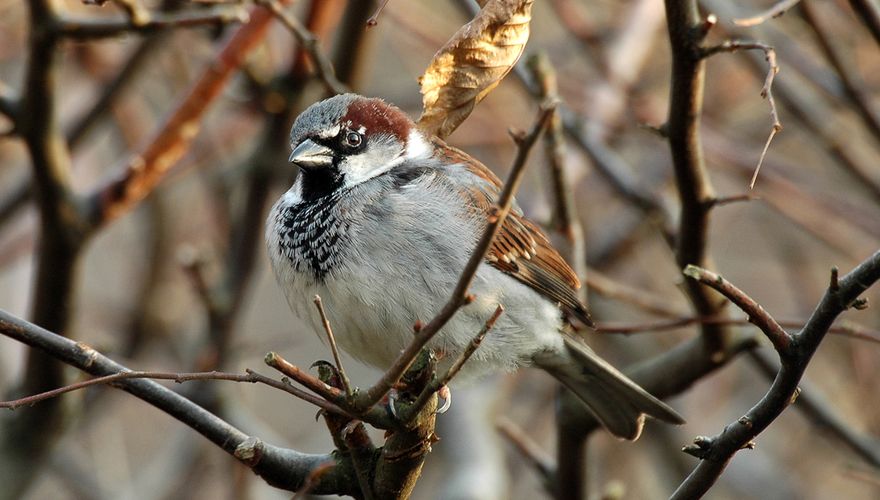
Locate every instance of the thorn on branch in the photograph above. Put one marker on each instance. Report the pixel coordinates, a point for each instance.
(701, 447)
(661, 130)
(834, 286)
(374, 19)
(860, 304)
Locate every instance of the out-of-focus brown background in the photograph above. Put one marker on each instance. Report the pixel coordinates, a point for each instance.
(136, 301)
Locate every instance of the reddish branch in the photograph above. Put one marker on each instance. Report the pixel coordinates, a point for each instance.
(143, 171)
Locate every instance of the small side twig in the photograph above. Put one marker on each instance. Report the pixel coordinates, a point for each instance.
(757, 315)
(456, 366)
(766, 89)
(773, 12)
(343, 378)
(323, 66)
(528, 449)
(90, 28)
(249, 377)
(374, 19)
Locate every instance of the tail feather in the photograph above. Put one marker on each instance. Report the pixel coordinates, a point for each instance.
(617, 402)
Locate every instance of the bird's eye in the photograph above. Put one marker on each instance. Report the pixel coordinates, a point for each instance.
(353, 139)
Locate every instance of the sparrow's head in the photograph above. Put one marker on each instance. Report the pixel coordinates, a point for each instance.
(348, 139)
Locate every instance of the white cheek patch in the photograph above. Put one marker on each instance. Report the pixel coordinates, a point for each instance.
(381, 155)
(416, 146)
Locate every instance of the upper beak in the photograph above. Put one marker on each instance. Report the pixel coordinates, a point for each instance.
(309, 154)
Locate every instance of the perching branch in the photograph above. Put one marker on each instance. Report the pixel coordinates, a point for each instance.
(283, 468)
(715, 452)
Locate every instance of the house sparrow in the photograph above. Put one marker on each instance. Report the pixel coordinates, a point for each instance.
(380, 223)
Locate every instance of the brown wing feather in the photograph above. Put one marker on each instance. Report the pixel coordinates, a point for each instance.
(521, 249)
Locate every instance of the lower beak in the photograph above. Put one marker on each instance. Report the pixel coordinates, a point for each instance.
(309, 154)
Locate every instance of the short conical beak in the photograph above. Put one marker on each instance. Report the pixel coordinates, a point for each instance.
(309, 154)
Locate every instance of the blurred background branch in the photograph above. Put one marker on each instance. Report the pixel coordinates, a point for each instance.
(180, 284)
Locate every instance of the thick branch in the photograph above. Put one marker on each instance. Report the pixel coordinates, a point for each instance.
(686, 33)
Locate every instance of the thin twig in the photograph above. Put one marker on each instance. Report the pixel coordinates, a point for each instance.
(314, 384)
(249, 377)
(766, 89)
(456, 366)
(757, 315)
(527, 448)
(91, 28)
(310, 42)
(283, 468)
(845, 329)
(862, 99)
(460, 294)
(346, 385)
(374, 19)
(773, 12)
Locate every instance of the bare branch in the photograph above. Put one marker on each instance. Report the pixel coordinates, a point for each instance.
(687, 31)
(846, 329)
(757, 315)
(143, 171)
(869, 13)
(346, 385)
(456, 366)
(766, 90)
(855, 89)
(283, 468)
(528, 449)
(773, 12)
(717, 451)
(310, 43)
(90, 28)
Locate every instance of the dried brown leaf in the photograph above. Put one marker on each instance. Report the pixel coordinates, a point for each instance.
(472, 63)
